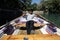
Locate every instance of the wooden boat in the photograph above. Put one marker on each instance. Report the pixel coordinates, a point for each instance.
(21, 32)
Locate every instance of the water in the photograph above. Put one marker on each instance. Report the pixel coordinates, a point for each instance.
(54, 18)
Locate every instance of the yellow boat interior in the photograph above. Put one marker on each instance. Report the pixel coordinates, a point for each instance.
(27, 31)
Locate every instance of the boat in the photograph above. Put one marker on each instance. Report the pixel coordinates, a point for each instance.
(29, 31)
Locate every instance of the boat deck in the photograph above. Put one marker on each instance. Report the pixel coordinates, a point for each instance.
(24, 32)
(31, 37)
(37, 35)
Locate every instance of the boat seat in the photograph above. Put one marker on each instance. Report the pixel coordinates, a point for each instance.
(43, 30)
(16, 32)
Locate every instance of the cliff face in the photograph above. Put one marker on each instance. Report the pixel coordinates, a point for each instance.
(8, 10)
(6, 16)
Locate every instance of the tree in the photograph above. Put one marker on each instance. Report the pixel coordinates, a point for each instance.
(52, 5)
(34, 6)
(28, 4)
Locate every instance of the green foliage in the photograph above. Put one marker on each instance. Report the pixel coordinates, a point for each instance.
(27, 4)
(34, 6)
(52, 5)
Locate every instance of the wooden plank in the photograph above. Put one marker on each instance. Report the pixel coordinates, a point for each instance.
(38, 32)
(32, 37)
(24, 32)
(24, 25)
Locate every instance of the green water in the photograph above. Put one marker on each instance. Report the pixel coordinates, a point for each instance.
(53, 18)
